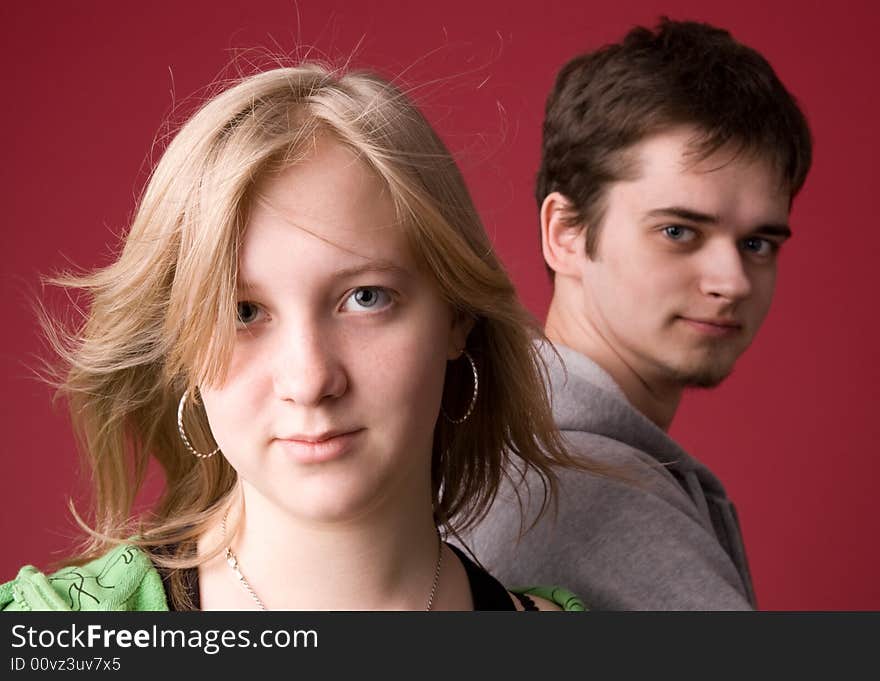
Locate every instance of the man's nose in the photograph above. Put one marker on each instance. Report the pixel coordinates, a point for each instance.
(723, 272)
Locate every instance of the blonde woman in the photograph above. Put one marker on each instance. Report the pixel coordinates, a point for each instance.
(309, 331)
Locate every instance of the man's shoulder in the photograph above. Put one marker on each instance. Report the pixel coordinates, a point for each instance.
(629, 470)
(569, 369)
(635, 491)
(123, 578)
(633, 542)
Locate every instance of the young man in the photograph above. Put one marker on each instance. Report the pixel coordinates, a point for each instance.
(670, 161)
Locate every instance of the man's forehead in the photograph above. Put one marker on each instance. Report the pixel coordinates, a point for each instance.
(687, 149)
(726, 184)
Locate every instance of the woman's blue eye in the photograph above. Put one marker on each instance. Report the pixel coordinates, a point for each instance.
(679, 233)
(366, 298)
(246, 312)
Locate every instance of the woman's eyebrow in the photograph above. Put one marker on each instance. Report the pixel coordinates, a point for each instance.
(244, 284)
(385, 266)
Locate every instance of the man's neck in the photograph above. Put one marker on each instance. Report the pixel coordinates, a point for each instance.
(657, 402)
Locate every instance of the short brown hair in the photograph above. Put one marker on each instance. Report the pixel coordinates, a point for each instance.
(682, 73)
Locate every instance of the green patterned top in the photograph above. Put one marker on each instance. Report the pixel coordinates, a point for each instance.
(126, 579)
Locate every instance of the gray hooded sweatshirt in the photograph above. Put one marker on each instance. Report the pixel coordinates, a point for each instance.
(670, 540)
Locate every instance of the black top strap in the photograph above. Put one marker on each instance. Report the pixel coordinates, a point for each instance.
(486, 591)
(526, 601)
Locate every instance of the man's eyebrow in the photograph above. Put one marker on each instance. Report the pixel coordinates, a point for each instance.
(683, 214)
(780, 230)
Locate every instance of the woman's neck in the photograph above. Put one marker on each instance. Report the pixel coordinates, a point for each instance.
(384, 559)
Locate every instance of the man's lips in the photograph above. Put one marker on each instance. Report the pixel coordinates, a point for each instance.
(713, 326)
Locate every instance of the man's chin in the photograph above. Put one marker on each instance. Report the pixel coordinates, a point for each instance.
(707, 375)
(705, 380)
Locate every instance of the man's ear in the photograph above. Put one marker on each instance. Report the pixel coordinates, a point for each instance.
(563, 244)
(462, 323)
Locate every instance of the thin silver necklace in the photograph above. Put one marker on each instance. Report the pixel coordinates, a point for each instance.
(232, 562)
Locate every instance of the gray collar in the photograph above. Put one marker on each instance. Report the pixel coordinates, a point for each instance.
(586, 398)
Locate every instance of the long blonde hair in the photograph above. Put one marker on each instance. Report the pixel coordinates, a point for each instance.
(160, 318)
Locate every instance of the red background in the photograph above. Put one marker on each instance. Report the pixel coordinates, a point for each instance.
(793, 433)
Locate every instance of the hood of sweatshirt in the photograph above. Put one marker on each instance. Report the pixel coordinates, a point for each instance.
(586, 399)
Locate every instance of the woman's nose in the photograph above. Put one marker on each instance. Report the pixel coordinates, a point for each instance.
(307, 368)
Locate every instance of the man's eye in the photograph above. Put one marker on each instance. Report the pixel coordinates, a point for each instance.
(371, 298)
(760, 246)
(246, 312)
(679, 233)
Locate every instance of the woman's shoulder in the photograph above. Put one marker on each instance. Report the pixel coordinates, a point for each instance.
(551, 598)
(123, 578)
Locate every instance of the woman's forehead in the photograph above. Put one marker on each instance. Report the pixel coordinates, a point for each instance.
(329, 213)
(326, 175)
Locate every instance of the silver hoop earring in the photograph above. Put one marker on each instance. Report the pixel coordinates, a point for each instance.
(182, 432)
(470, 408)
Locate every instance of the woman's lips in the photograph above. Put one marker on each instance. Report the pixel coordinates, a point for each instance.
(321, 448)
